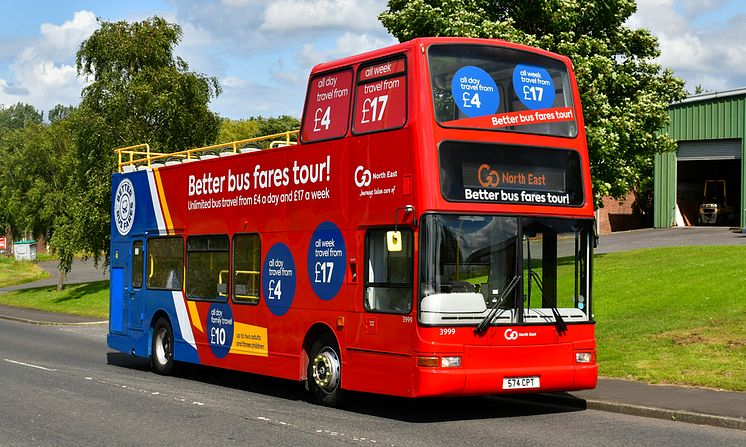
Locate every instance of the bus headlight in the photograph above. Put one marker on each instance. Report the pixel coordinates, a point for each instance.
(583, 357)
(450, 362)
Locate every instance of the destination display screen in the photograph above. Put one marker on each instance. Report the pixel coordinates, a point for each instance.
(491, 173)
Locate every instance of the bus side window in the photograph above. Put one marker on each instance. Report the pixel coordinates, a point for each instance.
(389, 274)
(165, 268)
(207, 267)
(247, 268)
(138, 256)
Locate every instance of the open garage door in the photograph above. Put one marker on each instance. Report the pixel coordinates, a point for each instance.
(709, 150)
(699, 161)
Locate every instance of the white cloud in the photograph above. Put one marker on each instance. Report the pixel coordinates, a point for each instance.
(345, 45)
(43, 72)
(237, 2)
(233, 82)
(272, 45)
(350, 43)
(699, 40)
(67, 37)
(293, 16)
(261, 50)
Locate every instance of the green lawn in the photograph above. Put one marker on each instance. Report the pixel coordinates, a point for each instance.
(87, 300)
(673, 315)
(18, 272)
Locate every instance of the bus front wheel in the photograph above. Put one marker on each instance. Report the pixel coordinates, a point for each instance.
(162, 354)
(325, 371)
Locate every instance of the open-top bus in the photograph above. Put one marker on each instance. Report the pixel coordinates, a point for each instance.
(430, 234)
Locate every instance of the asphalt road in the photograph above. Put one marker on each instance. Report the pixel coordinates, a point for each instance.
(61, 386)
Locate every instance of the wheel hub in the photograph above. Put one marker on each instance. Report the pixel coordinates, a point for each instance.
(163, 345)
(326, 370)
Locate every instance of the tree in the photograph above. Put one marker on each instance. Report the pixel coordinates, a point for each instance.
(138, 92)
(625, 95)
(699, 90)
(35, 172)
(234, 130)
(16, 116)
(13, 121)
(269, 126)
(141, 91)
(60, 112)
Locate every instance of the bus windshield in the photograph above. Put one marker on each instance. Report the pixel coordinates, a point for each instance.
(486, 87)
(537, 268)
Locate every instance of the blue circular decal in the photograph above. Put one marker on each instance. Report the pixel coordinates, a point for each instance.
(278, 279)
(124, 207)
(475, 92)
(220, 329)
(534, 86)
(326, 260)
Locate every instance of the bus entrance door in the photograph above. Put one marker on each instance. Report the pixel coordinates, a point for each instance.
(118, 311)
(134, 290)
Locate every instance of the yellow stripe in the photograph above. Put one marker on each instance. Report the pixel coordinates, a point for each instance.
(194, 315)
(164, 204)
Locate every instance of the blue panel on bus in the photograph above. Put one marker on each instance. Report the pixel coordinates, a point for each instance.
(475, 92)
(533, 86)
(327, 258)
(278, 279)
(117, 299)
(135, 206)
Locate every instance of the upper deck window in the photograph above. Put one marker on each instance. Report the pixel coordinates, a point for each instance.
(381, 96)
(327, 106)
(485, 87)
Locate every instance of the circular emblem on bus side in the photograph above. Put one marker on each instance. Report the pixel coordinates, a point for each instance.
(124, 207)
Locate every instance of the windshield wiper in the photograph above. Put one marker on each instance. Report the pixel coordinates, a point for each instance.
(559, 321)
(493, 310)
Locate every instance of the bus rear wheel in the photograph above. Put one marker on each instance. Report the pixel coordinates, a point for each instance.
(162, 354)
(325, 371)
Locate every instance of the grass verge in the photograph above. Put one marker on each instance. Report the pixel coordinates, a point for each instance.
(673, 315)
(18, 272)
(86, 300)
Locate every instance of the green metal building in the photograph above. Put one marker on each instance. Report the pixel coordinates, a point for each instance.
(709, 129)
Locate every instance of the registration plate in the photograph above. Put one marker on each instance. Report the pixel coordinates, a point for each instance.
(517, 383)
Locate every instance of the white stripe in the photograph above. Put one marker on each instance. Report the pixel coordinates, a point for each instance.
(183, 316)
(29, 365)
(155, 198)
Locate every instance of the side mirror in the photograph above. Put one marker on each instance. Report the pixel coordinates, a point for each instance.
(393, 240)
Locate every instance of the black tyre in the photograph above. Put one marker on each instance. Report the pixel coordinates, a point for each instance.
(162, 354)
(325, 371)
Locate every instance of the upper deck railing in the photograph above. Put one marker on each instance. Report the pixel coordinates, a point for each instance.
(131, 157)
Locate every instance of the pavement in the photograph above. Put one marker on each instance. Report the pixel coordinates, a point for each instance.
(702, 406)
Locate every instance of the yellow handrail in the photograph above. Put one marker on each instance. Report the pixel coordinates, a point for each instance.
(139, 157)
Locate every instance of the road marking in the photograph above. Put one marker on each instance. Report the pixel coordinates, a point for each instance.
(30, 365)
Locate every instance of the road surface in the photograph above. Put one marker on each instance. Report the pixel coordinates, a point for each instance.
(61, 386)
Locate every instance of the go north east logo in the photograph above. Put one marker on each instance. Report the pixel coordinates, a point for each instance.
(124, 207)
(488, 177)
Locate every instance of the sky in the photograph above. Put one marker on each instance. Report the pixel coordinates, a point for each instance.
(261, 51)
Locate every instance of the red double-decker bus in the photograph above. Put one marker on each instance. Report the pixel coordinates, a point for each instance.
(431, 233)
